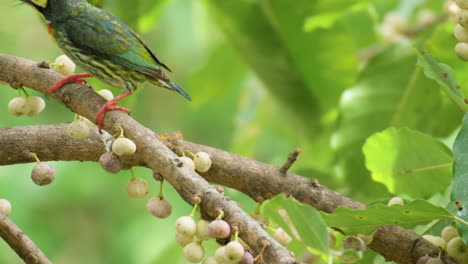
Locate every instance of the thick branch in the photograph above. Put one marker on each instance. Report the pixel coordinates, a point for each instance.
(83, 100)
(250, 177)
(20, 242)
(258, 180)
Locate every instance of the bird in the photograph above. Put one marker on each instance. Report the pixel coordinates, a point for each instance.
(104, 46)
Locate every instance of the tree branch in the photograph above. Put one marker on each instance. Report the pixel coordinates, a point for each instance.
(83, 100)
(20, 242)
(259, 181)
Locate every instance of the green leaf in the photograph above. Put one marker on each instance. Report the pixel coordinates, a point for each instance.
(300, 69)
(460, 176)
(366, 221)
(254, 37)
(296, 218)
(408, 162)
(313, 53)
(328, 13)
(391, 92)
(444, 76)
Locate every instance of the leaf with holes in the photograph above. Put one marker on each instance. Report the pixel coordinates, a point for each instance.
(409, 162)
(366, 221)
(292, 216)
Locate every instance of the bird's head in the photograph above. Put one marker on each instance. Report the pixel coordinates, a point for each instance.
(50, 9)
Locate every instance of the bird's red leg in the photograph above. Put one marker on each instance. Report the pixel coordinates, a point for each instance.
(69, 79)
(110, 106)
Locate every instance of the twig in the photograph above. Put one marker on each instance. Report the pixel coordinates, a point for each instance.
(292, 157)
(20, 242)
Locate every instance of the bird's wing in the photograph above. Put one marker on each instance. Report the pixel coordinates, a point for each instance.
(111, 39)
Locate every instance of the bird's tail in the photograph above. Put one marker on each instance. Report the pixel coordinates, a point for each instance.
(178, 89)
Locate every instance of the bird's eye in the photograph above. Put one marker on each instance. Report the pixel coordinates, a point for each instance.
(42, 3)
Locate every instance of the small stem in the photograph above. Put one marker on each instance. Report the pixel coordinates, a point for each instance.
(220, 216)
(36, 157)
(236, 236)
(56, 64)
(161, 188)
(189, 152)
(133, 173)
(116, 135)
(257, 209)
(193, 210)
(24, 91)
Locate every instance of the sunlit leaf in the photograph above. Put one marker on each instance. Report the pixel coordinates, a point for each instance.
(403, 158)
(391, 92)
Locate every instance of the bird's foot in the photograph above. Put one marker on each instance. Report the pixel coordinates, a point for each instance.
(110, 106)
(69, 79)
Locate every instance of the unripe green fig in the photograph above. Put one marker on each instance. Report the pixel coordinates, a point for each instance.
(43, 174)
(36, 105)
(159, 207)
(461, 49)
(202, 161)
(123, 146)
(78, 129)
(187, 162)
(106, 94)
(5, 207)
(202, 229)
(210, 260)
(448, 233)
(186, 225)
(456, 248)
(435, 240)
(234, 251)
(137, 188)
(64, 65)
(194, 252)
(183, 239)
(462, 17)
(18, 106)
(460, 33)
(396, 200)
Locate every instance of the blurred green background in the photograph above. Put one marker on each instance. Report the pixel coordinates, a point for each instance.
(266, 76)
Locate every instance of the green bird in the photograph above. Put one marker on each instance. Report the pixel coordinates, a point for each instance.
(105, 47)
